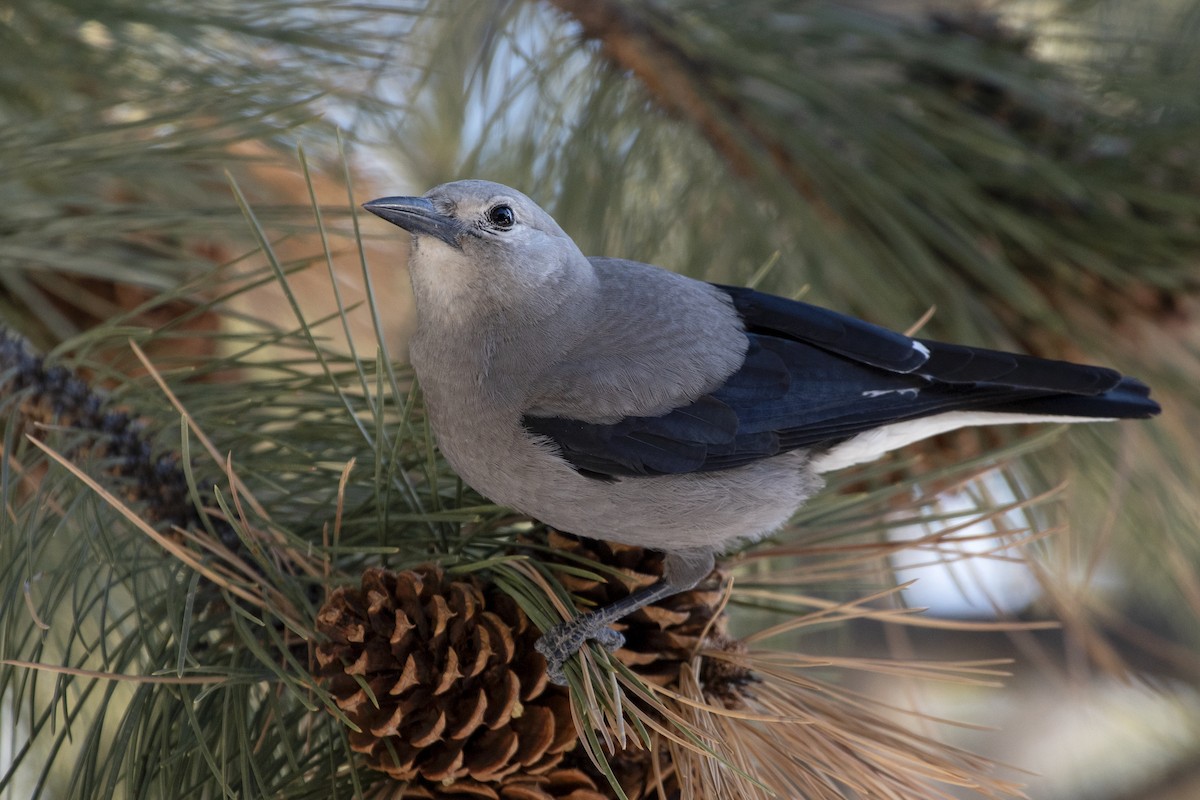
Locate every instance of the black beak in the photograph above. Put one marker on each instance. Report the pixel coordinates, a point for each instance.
(417, 216)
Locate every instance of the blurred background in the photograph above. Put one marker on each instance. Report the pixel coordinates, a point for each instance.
(1018, 174)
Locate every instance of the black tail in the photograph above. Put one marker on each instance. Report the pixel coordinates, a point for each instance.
(1129, 399)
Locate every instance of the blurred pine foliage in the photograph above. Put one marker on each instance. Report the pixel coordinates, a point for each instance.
(118, 121)
(1029, 171)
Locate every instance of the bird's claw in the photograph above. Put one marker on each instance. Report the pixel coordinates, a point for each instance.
(564, 640)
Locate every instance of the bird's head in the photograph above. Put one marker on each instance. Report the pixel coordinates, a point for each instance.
(481, 237)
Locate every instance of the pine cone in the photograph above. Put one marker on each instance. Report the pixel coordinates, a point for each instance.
(462, 707)
(635, 772)
(659, 637)
(56, 396)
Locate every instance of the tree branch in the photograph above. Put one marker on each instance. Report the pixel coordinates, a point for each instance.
(683, 86)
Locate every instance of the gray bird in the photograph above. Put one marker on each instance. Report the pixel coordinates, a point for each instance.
(619, 401)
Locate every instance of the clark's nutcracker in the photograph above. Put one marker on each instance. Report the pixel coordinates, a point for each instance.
(619, 401)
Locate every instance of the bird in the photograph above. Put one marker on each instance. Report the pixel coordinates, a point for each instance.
(621, 401)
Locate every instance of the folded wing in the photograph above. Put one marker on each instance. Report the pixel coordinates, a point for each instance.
(814, 378)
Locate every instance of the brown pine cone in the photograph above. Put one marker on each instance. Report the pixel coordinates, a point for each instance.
(635, 771)
(462, 706)
(54, 396)
(659, 637)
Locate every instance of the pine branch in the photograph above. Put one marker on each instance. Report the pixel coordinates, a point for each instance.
(638, 732)
(321, 468)
(684, 84)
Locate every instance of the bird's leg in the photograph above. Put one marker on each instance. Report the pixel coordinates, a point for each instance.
(681, 571)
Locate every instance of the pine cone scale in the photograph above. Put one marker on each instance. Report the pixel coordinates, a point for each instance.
(493, 758)
(409, 677)
(467, 723)
(503, 699)
(429, 731)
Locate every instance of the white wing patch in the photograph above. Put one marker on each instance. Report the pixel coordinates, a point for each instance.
(872, 444)
(910, 392)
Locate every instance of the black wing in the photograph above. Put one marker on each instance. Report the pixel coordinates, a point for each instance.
(814, 377)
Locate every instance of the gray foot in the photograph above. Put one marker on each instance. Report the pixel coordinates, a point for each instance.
(564, 640)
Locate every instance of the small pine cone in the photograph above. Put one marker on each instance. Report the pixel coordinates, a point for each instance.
(635, 771)
(981, 26)
(1053, 129)
(462, 707)
(659, 637)
(57, 396)
(728, 683)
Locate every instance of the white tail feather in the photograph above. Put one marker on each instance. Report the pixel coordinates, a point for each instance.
(872, 444)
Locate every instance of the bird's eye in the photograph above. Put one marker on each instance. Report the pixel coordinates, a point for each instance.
(501, 217)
